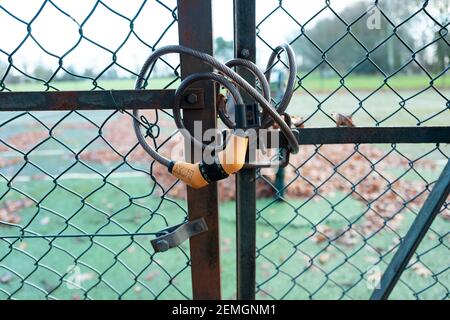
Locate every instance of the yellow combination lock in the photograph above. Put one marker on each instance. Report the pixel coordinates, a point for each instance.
(228, 161)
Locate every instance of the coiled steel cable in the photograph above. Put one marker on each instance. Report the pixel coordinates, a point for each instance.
(177, 114)
(292, 141)
(292, 66)
(253, 68)
(189, 80)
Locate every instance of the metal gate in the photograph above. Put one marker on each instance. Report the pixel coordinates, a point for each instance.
(80, 201)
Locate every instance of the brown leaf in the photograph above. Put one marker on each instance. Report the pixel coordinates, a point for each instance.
(266, 266)
(445, 214)
(323, 234)
(342, 121)
(226, 241)
(298, 122)
(26, 140)
(225, 249)
(221, 102)
(266, 234)
(319, 238)
(421, 270)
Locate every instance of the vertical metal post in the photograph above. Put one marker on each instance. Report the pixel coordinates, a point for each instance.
(414, 236)
(245, 47)
(195, 31)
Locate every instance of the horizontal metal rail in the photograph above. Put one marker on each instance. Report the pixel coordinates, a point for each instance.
(369, 135)
(97, 100)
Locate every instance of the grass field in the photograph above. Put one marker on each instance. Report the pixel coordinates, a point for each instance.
(313, 82)
(290, 263)
(120, 259)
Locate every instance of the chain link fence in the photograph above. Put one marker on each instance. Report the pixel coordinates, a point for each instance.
(335, 222)
(79, 200)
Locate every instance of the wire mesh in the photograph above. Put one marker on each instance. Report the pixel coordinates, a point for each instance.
(335, 222)
(79, 200)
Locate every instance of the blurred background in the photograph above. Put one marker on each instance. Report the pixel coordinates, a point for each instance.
(79, 200)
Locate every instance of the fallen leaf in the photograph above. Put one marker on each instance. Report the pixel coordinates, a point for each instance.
(342, 121)
(324, 258)
(23, 245)
(84, 277)
(266, 235)
(45, 221)
(6, 278)
(26, 140)
(226, 249)
(371, 260)
(445, 215)
(323, 234)
(266, 266)
(421, 270)
(151, 275)
(348, 237)
(320, 237)
(298, 122)
(265, 292)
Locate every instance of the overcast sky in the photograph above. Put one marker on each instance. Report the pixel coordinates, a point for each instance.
(58, 34)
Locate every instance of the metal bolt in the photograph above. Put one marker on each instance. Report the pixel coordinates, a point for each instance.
(191, 98)
(197, 227)
(245, 53)
(162, 245)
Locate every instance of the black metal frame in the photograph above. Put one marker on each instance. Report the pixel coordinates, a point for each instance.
(369, 135)
(245, 48)
(245, 38)
(415, 235)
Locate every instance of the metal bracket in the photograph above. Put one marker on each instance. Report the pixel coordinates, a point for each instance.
(176, 235)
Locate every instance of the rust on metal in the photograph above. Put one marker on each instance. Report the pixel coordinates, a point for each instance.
(368, 135)
(96, 100)
(195, 31)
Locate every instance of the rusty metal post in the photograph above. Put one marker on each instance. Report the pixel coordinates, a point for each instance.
(245, 47)
(195, 31)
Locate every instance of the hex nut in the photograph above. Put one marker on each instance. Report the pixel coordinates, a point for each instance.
(191, 98)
